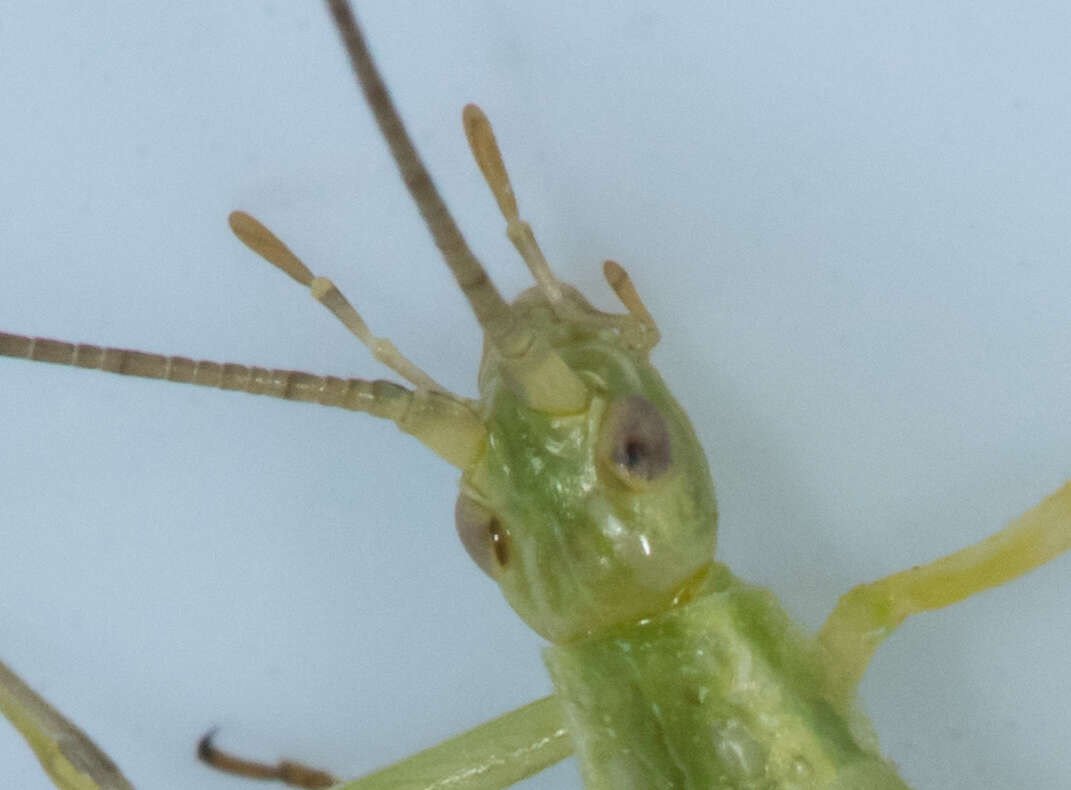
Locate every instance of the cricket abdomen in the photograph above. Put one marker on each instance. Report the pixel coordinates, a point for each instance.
(722, 693)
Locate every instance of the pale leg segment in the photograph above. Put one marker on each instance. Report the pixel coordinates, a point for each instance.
(493, 755)
(866, 614)
(71, 760)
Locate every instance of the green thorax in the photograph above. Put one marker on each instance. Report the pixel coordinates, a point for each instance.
(720, 693)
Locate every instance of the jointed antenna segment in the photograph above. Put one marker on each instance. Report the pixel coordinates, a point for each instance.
(443, 422)
(268, 246)
(533, 370)
(491, 310)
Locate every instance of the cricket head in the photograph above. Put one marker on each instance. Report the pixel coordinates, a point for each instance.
(584, 493)
(595, 514)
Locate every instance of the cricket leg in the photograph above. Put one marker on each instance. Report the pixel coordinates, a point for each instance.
(285, 771)
(71, 760)
(866, 614)
(493, 755)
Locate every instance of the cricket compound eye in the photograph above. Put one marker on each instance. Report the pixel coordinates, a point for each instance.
(635, 443)
(482, 535)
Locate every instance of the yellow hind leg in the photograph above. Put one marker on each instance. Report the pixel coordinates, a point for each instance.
(866, 614)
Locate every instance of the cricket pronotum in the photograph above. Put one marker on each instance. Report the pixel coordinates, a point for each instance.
(853, 238)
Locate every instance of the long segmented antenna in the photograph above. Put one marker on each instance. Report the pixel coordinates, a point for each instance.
(533, 370)
(267, 245)
(491, 310)
(443, 422)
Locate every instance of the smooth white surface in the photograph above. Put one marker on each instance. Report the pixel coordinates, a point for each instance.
(851, 224)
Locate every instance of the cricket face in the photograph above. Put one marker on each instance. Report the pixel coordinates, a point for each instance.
(596, 518)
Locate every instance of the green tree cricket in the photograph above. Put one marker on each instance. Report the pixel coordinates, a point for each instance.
(758, 435)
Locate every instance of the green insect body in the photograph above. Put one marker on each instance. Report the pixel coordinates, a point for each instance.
(670, 672)
(718, 692)
(585, 495)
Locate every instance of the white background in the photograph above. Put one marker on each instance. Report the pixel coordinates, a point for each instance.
(851, 224)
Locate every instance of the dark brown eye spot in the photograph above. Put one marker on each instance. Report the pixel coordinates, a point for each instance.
(635, 441)
(482, 534)
(499, 542)
(636, 454)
